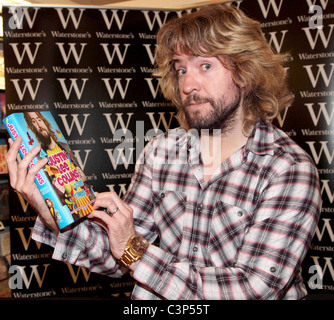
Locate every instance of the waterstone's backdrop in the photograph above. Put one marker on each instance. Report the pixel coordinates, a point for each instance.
(92, 68)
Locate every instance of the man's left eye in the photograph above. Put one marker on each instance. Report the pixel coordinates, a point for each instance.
(206, 66)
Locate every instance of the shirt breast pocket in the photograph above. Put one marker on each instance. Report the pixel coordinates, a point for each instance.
(169, 207)
(228, 227)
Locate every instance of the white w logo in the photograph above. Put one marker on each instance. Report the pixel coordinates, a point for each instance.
(16, 21)
(74, 85)
(313, 2)
(326, 226)
(26, 51)
(162, 119)
(116, 50)
(319, 34)
(119, 120)
(321, 111)
(75, 276)
(115, 16)
(271, 3)
(321, 71)
(274, 42)
(75, 121)
(121, 157)
(328, 265)
(118, 86)
(323, 150)
(282, 116)
(27, 86)
(82, 163)
(327, 189)
(150, 52)
(71, 16)
(72, 51)
(156, 17)
(154, 90)
(16, 282)
(24, 240)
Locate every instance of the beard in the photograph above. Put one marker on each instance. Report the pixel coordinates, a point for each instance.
(221, 117)
(44, 139)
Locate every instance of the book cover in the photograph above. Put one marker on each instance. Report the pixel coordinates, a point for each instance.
(62, 183)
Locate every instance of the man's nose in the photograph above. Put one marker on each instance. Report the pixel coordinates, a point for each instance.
(191, 83)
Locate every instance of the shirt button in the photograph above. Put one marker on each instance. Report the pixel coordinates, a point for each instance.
(195, 248)
(240, 214)
(64, 255)
(273, 269)
(162, 195)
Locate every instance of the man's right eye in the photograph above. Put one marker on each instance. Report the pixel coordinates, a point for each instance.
(181, 72)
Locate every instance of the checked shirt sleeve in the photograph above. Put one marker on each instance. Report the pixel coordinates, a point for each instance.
(86, 245)
(269, 257)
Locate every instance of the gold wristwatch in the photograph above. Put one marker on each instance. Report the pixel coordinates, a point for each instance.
(135, 249)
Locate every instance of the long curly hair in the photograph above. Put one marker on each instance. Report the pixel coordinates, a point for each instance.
(225, 32)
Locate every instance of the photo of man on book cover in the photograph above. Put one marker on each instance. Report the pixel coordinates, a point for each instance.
(65, 174)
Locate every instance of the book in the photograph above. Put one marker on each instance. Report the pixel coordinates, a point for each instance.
(61, 181)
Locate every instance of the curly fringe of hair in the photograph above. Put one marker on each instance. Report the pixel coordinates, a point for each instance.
(225, 32)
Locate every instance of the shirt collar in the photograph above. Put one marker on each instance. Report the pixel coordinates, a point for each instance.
(261, 141)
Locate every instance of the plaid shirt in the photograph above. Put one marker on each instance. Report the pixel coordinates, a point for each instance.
(243, 235)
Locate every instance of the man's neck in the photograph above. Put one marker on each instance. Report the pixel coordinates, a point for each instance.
(216, 148)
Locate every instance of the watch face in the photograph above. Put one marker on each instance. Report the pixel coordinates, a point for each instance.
(139, 245)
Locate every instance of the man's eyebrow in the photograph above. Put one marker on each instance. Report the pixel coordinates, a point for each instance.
(178, 60)
(175, 61)
(175, 58)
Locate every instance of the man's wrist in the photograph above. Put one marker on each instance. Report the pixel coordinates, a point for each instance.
(135, 249)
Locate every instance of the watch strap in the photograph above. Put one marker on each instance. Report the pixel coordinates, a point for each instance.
(127, 258)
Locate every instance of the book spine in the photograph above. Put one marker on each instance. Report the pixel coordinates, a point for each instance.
(61, 213)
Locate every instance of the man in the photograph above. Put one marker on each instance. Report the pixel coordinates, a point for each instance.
(42, 129)
(233, 201)
(52, 209)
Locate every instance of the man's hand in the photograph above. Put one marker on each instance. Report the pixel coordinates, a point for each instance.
(119, 225)
(23, 180)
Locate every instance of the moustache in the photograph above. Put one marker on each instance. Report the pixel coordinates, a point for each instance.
(195, 98)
